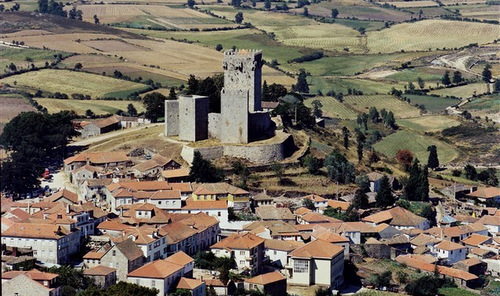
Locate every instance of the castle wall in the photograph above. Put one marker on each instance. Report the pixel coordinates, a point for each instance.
(214, 125)
(233, 123)
(193, 118)
(209, 153)
(171, 118)
(260, 126)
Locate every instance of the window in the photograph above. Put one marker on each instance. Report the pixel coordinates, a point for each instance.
(242, 262)
(153, 283)
(218, 214)
(149, 247)
(275, 252)
(137, 281)
(242, 252)
(159, 202)
(300, 266)
(114, 252)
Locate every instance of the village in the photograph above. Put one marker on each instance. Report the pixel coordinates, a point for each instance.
(142, 218)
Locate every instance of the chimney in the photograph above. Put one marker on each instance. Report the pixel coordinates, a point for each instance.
(442, 233)
(121, 212)
(87, 160)
(68, 209)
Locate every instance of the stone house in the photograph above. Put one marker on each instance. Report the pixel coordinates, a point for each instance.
(247, 249)
(272, 283)
(31, 282)
(277, 251)
(103, 276)
(235, 197)
(262, 199)
(319, 202)
(125, 257)
(65, 196)
(472, 265)
(104, 160)
(153, 167)
(219, 288)
(272, 213)
(176, 175)
(84, 173)
(317, 263)
(132, 121)
(217, 209)
(492, 223)
(399, 218)
(100, 126)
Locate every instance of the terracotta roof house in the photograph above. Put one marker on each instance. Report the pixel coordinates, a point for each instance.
(271, 283)
(63, 195)
(472, 265)
(197, 287)
(338, 204)
(176, 175)
(317, 262)
(398, 217)
(459, 276)
(220, 288)
(484, 194)
(273, 229)
(315, 218)
(236, 197)
(318, 201)
(492, 223)
(333, 238)
(450, 252)
(154, 166)
(272, 213)
(476, 240)
(31, 282)
(97, 127)
(125, 256)
(277, 250)
(247, 249)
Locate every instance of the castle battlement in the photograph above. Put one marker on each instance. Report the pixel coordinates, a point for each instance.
(243, 52)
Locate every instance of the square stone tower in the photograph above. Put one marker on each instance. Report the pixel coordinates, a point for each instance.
(193, 118)
(243, 72)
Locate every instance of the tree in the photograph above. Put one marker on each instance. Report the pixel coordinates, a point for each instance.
(191, 3)
(339, 168)
(204, 171)
(374, 115)
(346, 134)
(457, 77)
(96, 19)
(317, 105)
(267, 4)
(433, 161)
(360, 200)
(362, 30)
(421, 83)
(360, 140)
(279, 171)
(363, 182)
(364, 120)
(155, 105)
(335, 13)
(489, 177)
(313, 164)
(273, 92)
(219, 47)
(309, 204)
(192, 85)
(305, 12)
(254, 3)
(238, 18)
(124, 289)
(381, 280)
(417, 186)
(384, 197)
(470, 172)
(131, 111)
(427, 285)
(373, 157)
(242, 171)
(78, 66)
(405, 158)
(446, 78)
(89, 113)
(43, 6)
(487, 73)
(12, 67)
(236, 3)
(302, 85)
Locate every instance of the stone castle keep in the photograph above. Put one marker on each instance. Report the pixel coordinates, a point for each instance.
(239, 126)
(241, 119)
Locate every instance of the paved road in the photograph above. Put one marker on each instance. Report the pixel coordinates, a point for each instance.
(91, 140)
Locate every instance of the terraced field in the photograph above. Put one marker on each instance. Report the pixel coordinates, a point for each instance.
(70, 82)
(408, 4)
(399, 108)
(434, 123)
(417, 144)
(333, 108)
(79, 106)
(431, 34)
(465, 91)
(24, 57)
(432, 104)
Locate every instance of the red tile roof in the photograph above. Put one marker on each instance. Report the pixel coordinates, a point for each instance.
(99, 270)
(267, 278)
(204, 204)
(476, 239)
(239, 241)
(34, 274)
(189, 284)
(64, 193)
(38, 230)
(486, 192)
(447, 271)
(157, 269)
(395, 216)
(179, 258)
(99, 157)
(449, 246)
(317, 249)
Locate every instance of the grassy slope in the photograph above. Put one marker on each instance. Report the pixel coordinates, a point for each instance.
(70, 82)
(428, 123)
(80, 106)
(432, 104)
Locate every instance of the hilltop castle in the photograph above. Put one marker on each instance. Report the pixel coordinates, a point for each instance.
(241, 119)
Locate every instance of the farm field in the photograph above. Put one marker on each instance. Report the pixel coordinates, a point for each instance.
(328, 83)
(24, 57)
(408, 4)
(427, 74)
(390, 103)
(333, 108)
(431, 34)
(417, 144)
(99, 107)
(10, 106)
(359, 9)
(432, 104)
(491, 103)
(71, 82)
(480, 11)
(431, 12)
(464, 91)
(433, 123)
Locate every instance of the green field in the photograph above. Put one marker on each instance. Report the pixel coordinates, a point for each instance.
(432, 123)
(80, 106)
(333, 108)
(464, 91)
(427, 74)
(399, 108)
(491, 103)
(417, 144)
(455, 292)
(21, 57)
(432, 104)
(328, 83)
(71, 82)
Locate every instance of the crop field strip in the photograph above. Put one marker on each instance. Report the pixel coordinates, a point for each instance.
(99, 107)
(432, 123)
(390, 103)
(333, 108)
(432, 104)
(417, 144)
(10, 106)
(464, 91)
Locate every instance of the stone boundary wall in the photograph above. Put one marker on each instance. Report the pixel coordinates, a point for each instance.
(259, 154)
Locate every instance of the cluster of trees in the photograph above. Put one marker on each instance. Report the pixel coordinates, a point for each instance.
(292, 107)
(203, 171)
(207, 260)
(487, 176)
(387, 118)
(339, 168)
(457, 78)
(33, 139)
(14, 7)
(308, 57)
(302, 86)
(57, 8)
(417, 185)
(210, 87)
(273, 92)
